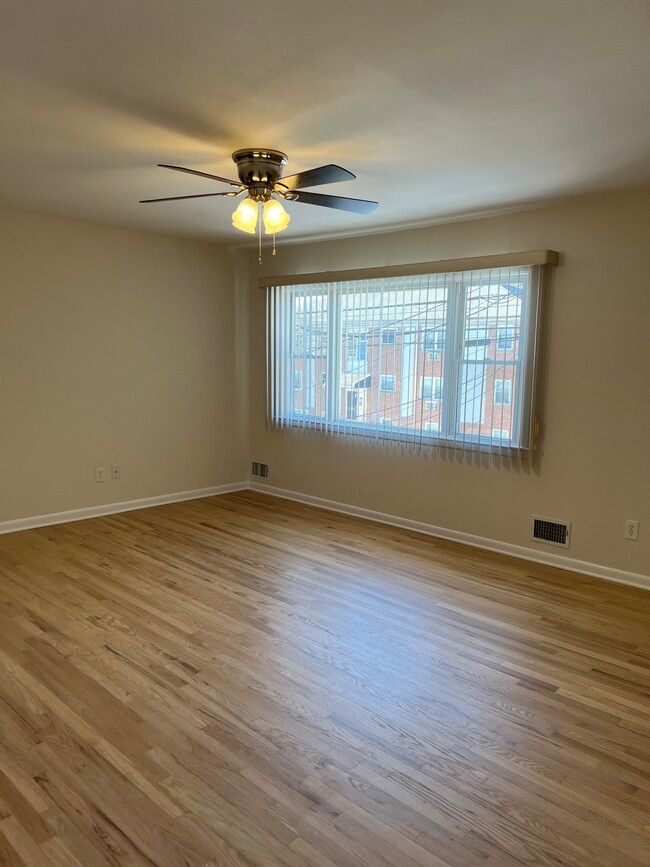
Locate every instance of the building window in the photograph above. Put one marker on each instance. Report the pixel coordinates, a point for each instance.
(505, 339)
(431, 388)
(502, 392)
(387, 384)
(355, 353)
(385, 422)
(434, 340)
(336, 332)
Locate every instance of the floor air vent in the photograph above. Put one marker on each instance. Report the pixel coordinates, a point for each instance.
(551, 532)
(260, 470)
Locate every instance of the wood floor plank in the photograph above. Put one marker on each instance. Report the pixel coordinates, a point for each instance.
(243, 681)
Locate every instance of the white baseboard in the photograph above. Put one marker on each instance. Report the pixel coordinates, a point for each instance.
(634, 579)
(560, 561)
(114, 508)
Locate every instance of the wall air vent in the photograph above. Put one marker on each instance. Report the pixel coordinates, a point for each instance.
(551, 532)
(260, 470)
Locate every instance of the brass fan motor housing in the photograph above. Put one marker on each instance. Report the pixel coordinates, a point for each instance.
(259, 170)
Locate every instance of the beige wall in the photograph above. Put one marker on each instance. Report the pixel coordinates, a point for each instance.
(593, 467)
(116, 347)
(131, 348)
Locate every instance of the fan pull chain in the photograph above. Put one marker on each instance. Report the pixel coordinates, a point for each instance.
(273, 254)
(259, 235)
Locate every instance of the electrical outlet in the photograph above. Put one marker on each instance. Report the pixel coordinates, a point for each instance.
(100, 474)
(631, 530)
(115, 471)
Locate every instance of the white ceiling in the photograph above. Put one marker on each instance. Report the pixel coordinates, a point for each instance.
(440, 107)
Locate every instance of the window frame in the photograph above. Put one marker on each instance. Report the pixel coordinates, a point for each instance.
(385, 377)
(509, 339)
(528, 365)
(437, 344)
(503, 383)
(436, 388)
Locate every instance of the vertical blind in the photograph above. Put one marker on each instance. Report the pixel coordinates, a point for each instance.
(439, 359)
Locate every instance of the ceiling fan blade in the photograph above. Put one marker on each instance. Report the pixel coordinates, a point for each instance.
(199, 196)
(201, 174)
(357, 206)
(315, 177)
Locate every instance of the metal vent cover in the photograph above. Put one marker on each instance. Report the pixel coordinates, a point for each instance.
(260, 470)
(552, 532)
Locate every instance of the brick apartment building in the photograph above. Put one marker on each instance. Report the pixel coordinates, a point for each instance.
(392, 374)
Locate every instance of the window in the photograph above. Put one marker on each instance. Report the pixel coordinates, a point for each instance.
(505, 338)
(431, 388)
(365, 341)
(297, 380)
(502, 392)
(434, 340)
(355, 353)
(387, 384)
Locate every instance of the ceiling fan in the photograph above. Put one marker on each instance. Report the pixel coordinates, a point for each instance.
(260, 175)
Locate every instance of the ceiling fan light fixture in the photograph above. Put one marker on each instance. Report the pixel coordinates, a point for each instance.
(275, 217)
(245, 217)
(260, 177)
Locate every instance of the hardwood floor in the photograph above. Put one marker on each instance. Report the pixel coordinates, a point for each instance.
(247, 681)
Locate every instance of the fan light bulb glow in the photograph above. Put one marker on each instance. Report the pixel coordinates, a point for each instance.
(275, 217)
(245, 217)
